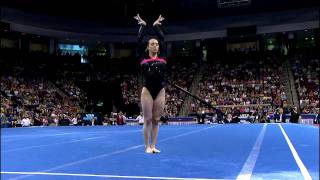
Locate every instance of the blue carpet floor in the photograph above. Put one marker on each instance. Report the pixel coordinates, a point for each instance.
(243, 151)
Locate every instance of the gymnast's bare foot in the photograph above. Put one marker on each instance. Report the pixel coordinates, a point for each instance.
(149, 150)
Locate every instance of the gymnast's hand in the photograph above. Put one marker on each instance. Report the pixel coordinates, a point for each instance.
(140, 21)
(158, 21)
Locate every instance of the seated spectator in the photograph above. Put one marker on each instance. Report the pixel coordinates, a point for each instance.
(25, 122)
(140, 119)
(121, 119)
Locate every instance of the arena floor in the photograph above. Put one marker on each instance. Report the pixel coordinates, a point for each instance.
(239, 151)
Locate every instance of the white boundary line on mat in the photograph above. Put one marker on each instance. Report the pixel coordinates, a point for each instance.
(246, 171)
(302, 167)
(111, 153)
(105, 176)
(53, 144)
(59, 143)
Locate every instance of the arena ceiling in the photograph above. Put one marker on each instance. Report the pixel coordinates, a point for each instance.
(120, 12)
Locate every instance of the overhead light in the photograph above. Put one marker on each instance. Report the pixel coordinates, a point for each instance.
(312, 38)
(306, 38)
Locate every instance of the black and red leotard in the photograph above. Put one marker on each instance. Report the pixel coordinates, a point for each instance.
(153, 69)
